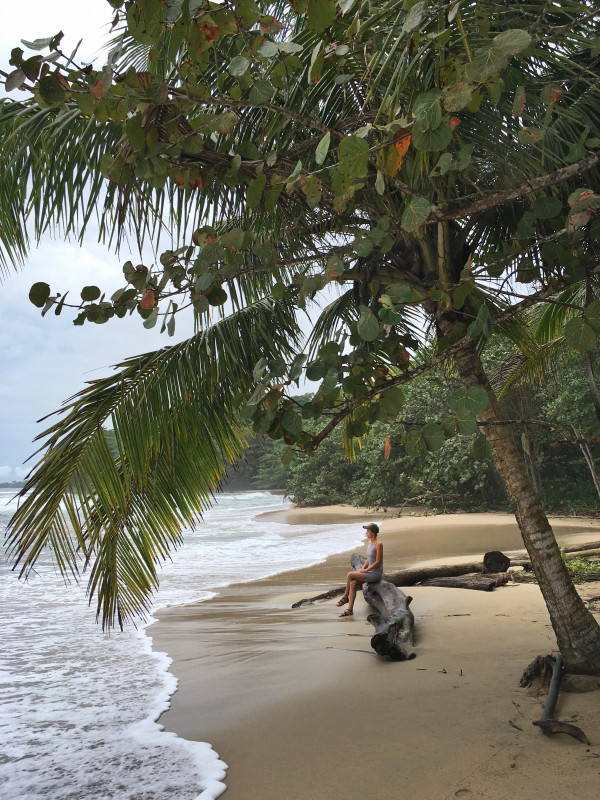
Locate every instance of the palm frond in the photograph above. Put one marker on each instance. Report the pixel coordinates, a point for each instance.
(173, 412)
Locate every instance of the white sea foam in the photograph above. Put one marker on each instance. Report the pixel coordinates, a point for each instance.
(80, 707)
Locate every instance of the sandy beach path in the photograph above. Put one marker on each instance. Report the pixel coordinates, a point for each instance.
(299, 706)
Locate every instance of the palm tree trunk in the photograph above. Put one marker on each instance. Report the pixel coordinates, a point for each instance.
(577, 632)
(589, 361)
(587, 454)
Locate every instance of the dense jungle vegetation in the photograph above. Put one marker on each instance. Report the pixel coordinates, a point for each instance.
(450, 479)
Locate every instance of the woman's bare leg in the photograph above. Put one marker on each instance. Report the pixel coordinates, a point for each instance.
(355, 583)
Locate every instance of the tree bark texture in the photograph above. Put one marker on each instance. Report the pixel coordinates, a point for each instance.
(577, 632)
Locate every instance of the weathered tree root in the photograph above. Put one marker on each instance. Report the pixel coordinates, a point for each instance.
(549, 726)
(547, 723)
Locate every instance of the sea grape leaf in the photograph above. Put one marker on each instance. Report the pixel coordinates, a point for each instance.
(238, 66)
(39, 294)
(321, 14)
(592, 315)
(512, 41)
(90, 293)
(255, 189)
(482, 323)
(415, 444)
(547, 207)
(466, 424)
(391, 401)
(460, 294)
(581, 199)
(579, 335)
(437, 139)
(15, 79)
(51, 90)
(434, 437)
(481, 449)
(353, 157)
(368, 325)
(473, 400)
(415, 213)
(414, 17)
(292, 422)
(427, 110)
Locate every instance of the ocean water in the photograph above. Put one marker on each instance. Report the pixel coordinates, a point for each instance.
(79, 706)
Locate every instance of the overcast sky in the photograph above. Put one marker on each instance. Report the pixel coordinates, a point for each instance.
(43, 361)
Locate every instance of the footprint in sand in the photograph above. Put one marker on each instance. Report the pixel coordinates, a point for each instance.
(463, 793)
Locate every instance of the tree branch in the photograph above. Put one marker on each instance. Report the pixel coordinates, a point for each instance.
(506, 195)
(408, 376)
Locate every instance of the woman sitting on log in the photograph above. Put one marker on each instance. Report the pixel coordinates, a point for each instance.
(371, 572)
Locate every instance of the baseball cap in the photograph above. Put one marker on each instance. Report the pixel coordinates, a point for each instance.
(372, 526)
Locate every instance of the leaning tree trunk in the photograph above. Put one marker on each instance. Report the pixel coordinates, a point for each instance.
(577, 632)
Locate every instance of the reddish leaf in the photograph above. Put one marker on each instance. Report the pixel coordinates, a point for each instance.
(577, 219)
(200, 237)
(269, 24)
(148, 300)
(401, 143)
(257, 44)
(387, 449)
(211, 32)
(454, 121)
(519, 101)
(99, 90)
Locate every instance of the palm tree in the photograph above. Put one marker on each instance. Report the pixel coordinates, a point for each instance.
(424, 157)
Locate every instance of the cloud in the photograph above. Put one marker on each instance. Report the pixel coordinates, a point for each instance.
(45, 360)
(38, 19)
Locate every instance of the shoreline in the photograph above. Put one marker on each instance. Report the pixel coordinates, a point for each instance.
(291, 698)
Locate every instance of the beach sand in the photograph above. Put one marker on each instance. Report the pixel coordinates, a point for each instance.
(300, 707)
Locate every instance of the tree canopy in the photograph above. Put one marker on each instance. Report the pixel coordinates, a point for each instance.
(421, 163)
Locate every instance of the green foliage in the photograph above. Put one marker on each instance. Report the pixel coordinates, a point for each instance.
(397, 163)
(578, 567)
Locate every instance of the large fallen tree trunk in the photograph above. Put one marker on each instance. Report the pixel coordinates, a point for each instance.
(484, 582)
(393, 620)
(406, 577)
(410, 577)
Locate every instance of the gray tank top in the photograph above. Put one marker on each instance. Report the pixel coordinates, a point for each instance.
(371, 558)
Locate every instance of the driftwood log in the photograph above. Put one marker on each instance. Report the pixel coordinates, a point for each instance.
(408, 577)
(393, 620)
(484, 582)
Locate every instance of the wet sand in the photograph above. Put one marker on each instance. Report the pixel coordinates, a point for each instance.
(299, 706)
